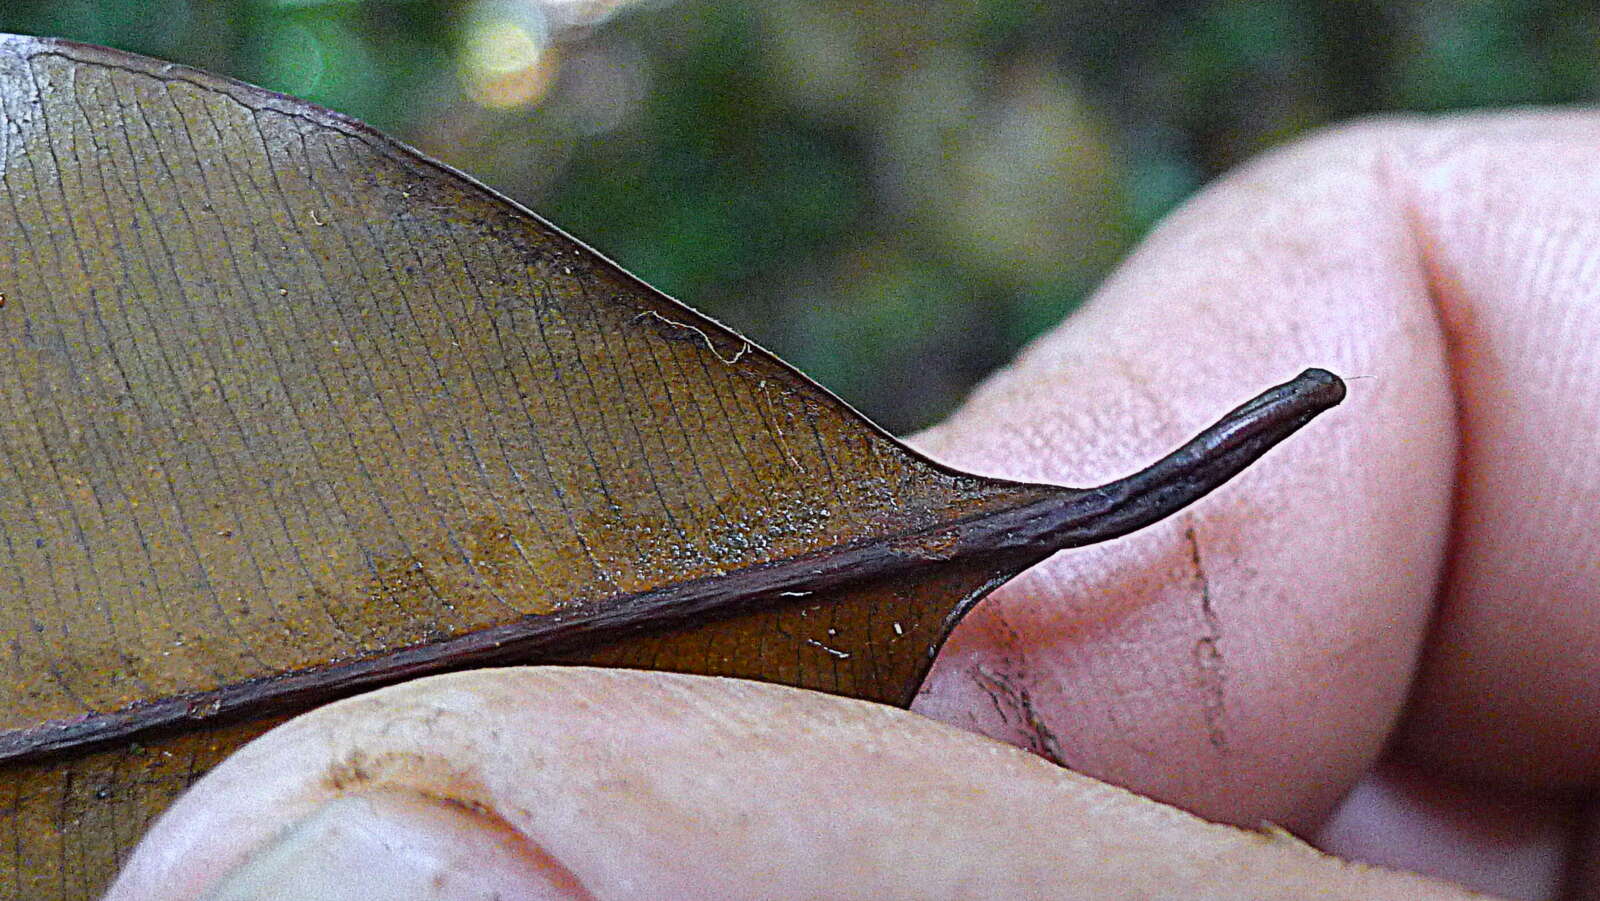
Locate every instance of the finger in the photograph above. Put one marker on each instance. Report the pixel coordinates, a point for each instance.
(1508, 210)
(1489, 837)
(1248, 658)
(601, 784)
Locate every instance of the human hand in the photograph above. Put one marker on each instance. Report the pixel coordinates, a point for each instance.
(1247, 660)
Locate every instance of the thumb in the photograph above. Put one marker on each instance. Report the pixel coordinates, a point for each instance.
(584, 783)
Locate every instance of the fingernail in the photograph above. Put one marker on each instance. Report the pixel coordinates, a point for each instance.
(390, 845)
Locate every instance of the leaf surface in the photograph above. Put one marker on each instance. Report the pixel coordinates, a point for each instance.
(289, 410)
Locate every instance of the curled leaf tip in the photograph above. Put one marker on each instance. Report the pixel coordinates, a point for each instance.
(1324, 385)
(1197, 468)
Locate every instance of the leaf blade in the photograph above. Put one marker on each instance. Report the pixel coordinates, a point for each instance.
(379, 406)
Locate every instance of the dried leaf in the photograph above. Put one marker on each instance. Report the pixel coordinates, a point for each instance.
(290, 411)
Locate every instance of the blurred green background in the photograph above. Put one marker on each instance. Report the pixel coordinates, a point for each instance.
(892, 196)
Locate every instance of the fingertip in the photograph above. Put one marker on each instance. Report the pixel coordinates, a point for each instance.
(1246, 658)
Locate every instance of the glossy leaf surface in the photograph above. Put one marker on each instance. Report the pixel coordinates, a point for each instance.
(288, 411)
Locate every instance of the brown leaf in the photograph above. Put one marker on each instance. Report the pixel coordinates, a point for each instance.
(290, 411)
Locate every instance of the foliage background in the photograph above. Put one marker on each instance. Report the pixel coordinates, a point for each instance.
(892, 196)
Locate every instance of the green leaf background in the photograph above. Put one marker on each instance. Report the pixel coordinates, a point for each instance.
(892, 196)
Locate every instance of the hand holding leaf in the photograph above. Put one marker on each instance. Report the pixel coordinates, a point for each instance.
(1457, 486)
(296, 412)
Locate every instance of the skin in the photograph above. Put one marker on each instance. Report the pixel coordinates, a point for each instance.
(1384, 637)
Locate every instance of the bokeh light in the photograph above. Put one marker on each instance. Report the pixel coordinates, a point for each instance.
(508, 58)
(505, 54)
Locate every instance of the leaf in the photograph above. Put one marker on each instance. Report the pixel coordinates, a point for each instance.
(290, 411)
